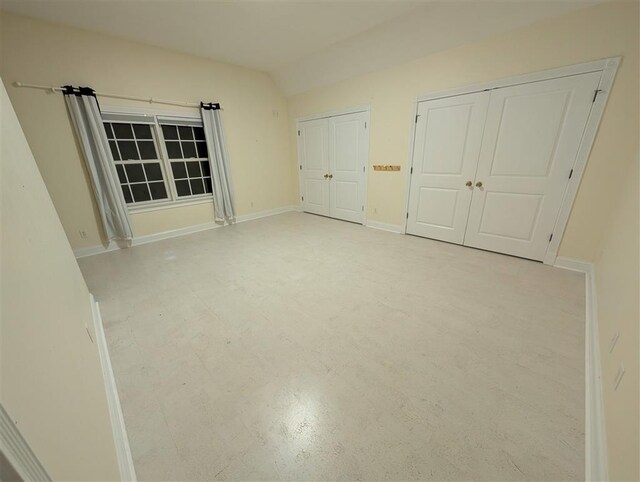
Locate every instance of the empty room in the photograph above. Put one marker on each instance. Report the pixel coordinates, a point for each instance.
(319, 240)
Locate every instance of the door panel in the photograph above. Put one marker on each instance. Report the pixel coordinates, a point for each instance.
(313, 155)
(531, 139)
(446, 149)
(348, 152)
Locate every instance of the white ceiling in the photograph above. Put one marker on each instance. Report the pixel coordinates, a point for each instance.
(302, 44)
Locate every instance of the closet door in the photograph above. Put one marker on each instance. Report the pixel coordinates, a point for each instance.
(447, 145)
(348, 152)
(313, 155)
(531, 139)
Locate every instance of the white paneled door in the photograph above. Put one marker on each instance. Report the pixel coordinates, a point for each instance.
(531, 140)
(447, 143)
(333, 153)
(490, 169)
(313, 153)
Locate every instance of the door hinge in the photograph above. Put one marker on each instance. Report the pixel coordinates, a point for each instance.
(595, 95)
(298, 132)
(411, 172)
(365, 124)
(301, 167)
(417, 115)
(570, 173)
(363, 168)
(551, 237)
(362, 208)
(407, 215)
(302, 198)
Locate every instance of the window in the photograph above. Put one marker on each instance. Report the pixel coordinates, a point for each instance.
(187, 152)
(159, 160)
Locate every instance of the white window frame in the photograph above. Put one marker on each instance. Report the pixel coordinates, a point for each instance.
(165, 162)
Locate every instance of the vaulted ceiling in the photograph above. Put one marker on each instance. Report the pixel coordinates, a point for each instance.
(302, 44)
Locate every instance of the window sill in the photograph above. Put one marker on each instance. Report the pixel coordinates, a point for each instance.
(169, 205)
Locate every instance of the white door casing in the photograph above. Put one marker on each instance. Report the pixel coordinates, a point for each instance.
(313, 156)
(333, 153)
(448, 136)
(531, 138)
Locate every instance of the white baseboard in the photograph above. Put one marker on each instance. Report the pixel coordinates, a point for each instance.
(265, 214)
(596, 464)
(150, 238)
(17, 452)
(573, 264)
(393, 228)
(121, 440)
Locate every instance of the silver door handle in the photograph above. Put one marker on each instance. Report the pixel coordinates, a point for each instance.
(479, 184)
(326, 176)
(330, 176)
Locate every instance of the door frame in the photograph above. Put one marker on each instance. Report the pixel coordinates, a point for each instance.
(608, 67)
(365, 109)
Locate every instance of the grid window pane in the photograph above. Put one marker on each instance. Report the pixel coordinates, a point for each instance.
(206, 168)
(107, 127)
(182, 188)
(135, 173)
(153, 171)
(202, 149)
(193, 168)
(122, 131)
(158, 190)
(188, 149)
(127, 194)
(128, 150)
(140, 192)
(196, 186)
(207, 185)
(186, 133)
(199, 133)
(173, 150)
(170, 132)
(147, 150)
(121, 176)
(179, 170)
(114, 150)
(142, 131)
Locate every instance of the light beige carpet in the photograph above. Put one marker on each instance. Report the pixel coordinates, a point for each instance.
(300, 347)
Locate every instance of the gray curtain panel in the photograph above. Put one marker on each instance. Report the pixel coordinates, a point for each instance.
(86, 119)
(219, 159)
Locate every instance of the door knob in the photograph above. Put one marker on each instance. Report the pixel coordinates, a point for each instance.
(326, 176)
(469, 183)
(330, 176)
(479, 184)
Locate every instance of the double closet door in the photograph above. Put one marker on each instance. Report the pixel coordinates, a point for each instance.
(332, 155)
(490, 169)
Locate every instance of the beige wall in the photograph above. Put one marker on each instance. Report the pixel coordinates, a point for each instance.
(603, 31)
(254, 116)
(618, 293)
(52, 385)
